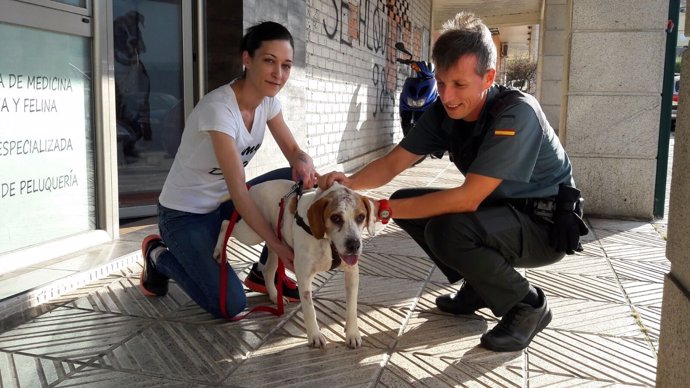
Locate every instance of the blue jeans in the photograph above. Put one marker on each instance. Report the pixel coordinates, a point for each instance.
(189, 261)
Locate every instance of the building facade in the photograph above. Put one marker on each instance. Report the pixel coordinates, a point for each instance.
(94, 95)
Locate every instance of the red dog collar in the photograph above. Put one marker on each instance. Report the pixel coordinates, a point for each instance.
(385, 211)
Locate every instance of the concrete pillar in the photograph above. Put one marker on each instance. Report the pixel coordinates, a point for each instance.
(612, 102)
(550, 60)
(674, 342)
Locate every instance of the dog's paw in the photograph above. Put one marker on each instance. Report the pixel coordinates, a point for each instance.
(216, 253)
(220, 243)
(317, 340)
(353, 340)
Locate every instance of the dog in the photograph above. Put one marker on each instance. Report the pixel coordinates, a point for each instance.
(333, 235)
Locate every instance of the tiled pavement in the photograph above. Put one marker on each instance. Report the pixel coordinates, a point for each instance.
(606, 304)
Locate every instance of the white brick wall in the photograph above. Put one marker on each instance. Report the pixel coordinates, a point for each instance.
(345, 103)
(353, 80)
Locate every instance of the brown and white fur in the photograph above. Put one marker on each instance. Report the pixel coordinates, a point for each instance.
(336, 216)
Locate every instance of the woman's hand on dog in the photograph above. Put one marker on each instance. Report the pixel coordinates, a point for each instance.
(303, 170)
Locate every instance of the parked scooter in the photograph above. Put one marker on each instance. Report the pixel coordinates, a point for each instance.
(418, 93)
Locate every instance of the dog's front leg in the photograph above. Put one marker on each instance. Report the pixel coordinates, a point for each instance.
(352, 336)
(220, 244)
(269, 273)
(305, 275)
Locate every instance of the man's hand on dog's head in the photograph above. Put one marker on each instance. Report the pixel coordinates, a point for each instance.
(326, 181)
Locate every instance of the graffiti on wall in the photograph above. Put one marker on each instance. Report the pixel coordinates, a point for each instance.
(374, 25)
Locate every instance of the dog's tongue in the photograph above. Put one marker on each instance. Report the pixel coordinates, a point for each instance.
(349, 259)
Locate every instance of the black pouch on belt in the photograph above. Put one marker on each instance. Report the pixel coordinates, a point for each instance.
(568, 225)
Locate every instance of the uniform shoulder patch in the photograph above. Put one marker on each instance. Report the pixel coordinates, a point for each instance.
(504, 132)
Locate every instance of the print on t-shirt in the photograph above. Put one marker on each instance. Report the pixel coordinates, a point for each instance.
(246, 156)
(247, 153)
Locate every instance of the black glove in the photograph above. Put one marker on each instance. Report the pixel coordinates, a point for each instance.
(567, 221)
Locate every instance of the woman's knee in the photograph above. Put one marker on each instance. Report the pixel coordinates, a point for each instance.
(235, 303)
(236, 299)
(236, 306)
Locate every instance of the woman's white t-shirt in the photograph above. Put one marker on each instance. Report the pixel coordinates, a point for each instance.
(195, 182)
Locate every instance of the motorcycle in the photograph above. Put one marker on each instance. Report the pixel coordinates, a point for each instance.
(419, 90)
(418, 93)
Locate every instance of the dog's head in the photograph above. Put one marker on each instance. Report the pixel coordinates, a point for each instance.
(341, 215)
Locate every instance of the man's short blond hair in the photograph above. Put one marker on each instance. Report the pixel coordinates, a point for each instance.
(465, 34)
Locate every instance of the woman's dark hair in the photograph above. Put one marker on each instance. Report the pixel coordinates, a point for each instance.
(464, 34)
(261, 32)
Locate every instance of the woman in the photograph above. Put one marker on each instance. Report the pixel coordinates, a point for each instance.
(221, 136)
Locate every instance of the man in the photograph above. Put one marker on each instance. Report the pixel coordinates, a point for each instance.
(518, 206)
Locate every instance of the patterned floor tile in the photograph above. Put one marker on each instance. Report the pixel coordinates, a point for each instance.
(426, 330)
(104, 378)
(631, 238)
(390, 265)
(433, 289)
(605, 329)
(646, 271)
(591, 246)
(71, 334)
(616, 226)
(240, 255)
(656, 255)
(395, 243)
(650, 316)
(17, 370)
(457, 362)
(123, 296)
(643, 293)
(375, 290)
(594, 317)
(537, 380)
(438, 277)
(23, 316)
(592, 288)
(289, 362)
(612, 360)
(205, 353)
(378, 326)
(581, 264)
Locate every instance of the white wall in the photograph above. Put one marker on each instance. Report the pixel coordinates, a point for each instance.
(343, 104)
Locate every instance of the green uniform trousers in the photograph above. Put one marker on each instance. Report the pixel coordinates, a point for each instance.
(483, 247)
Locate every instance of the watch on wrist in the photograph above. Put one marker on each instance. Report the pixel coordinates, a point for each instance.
(385, 212)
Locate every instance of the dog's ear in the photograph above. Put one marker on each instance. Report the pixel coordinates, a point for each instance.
(371, 214)
(317, 217)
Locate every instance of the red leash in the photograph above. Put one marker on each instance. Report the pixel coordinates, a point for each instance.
(224, 276)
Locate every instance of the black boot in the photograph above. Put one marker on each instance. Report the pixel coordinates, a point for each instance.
(517, 328)
(464, 302)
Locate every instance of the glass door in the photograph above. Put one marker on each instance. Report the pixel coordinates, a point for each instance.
(149, 47)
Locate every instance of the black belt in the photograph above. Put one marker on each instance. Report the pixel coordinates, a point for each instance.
(522, 204)
(540, 207)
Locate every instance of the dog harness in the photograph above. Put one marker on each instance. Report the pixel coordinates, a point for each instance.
(335, 257)
(281, 268)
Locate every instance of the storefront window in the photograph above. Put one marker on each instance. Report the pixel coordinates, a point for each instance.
(47, 181)
(149, 98)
